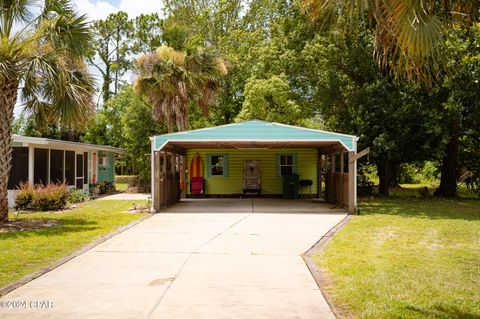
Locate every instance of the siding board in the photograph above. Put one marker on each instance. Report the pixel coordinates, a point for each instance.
(270, 183)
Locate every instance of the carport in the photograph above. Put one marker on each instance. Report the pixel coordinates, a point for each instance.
(328, 159)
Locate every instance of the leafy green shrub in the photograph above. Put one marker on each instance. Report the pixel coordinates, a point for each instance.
(24, 196)
(408, 174)
(366, 174)
(76, 196)
(429, 171)
(139, 184)
(365, 186)
(41, 197)
(101, 188)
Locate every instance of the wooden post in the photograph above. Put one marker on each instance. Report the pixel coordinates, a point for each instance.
(341, 178)
(319, 179)
(157, 196)
(351, 182)
(332, 179)
(171, 185)
(164, 180)
(183, 174)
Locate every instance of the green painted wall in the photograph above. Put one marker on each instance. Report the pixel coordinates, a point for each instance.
(106, 172)
(270, 182)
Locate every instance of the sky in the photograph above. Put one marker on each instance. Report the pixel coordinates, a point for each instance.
(100, 9)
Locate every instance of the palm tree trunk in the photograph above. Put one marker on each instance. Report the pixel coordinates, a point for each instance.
(8, 98)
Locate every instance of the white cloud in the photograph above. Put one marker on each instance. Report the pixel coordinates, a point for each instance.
(101, 9)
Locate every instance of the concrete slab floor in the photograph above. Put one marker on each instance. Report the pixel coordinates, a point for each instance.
(209, 258)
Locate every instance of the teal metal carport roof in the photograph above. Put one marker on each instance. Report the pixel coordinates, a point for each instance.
(255, 131)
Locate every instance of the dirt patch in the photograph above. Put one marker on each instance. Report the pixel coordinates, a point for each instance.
(26, 224)
(138, 209)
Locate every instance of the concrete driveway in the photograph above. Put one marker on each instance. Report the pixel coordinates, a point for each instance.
(210, 258)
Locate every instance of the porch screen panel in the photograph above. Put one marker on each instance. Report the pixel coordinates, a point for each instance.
(85, 167)
(40, 166)
(70, 168)
(19, 169)
(79, 165)
(56, 166)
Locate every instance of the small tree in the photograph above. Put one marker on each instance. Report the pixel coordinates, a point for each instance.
(269, 100)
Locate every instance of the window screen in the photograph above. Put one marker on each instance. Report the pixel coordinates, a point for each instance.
(19, 169)
(40, 166)
(79, 165)
(56, 166)
(85, 167)
(70, 167)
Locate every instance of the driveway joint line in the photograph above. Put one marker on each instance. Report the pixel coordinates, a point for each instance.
(162, 296)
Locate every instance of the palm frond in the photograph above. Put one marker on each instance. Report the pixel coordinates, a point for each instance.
(61, 84)
(409, 34)
(70, 33)
(14, 11)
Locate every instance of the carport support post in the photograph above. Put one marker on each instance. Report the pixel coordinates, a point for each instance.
(352, 181)
(342, 165)
(164, 180)
(183, 160)
(319, 178)
(332, 179)
(156, 187)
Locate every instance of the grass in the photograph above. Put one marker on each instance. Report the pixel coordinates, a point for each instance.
(122, 181)
(23, 252)
(406, 257)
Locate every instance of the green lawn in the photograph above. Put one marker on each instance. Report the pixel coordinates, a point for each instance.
(23, 252)
(122, 181)
(406, 257)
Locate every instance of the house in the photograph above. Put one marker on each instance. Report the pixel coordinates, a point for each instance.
(225, 157)
(41, 161)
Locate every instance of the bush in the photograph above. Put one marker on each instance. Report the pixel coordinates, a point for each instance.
(408, 174)
(40, 197)
(365, 184)
(365, 187)
(139, 184)
(101, 188)
(76, 196)
(24, 196)
(50, 197)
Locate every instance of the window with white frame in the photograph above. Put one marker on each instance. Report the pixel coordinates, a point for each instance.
(286, 164)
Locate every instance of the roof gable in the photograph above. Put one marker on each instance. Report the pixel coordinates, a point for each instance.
(255, 131)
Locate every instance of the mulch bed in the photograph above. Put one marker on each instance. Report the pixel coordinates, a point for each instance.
(25, 224)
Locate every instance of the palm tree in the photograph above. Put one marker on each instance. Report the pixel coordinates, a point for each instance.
(409, 34)
(41, 58)
(170, 79)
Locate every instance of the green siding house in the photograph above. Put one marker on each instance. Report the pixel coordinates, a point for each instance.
(229, 158)
(41, 161)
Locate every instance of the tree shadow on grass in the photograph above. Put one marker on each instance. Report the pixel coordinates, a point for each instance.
(432, 208)
(65, 225)
(442, 312)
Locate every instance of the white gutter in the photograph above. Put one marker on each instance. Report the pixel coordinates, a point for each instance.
(47, 141)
